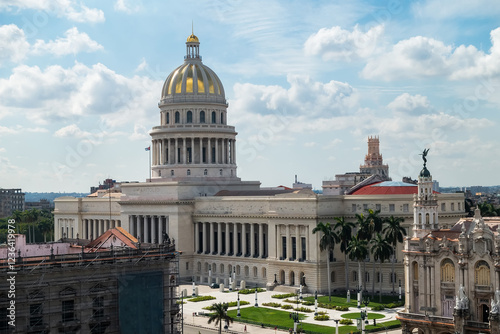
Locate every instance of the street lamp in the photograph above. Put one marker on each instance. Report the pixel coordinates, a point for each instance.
(300, 289)
(364, 314)
(275, 280)
(239, 314)
(399, 290)
(226, 325)
(295, 316)
(316, 302)
(336, 325)
(194, 290)
(256, 303)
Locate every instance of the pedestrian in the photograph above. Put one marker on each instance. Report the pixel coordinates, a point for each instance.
(245, 330)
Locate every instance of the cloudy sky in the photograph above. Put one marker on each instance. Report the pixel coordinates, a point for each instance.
(307, 82)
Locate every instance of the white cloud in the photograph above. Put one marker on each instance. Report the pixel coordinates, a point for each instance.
(74, 42)
(57, 93)
(127, 6)
(71, 9)
(13, 44)
(72, 131)
(421, 57)
(410, 104)
(338, 44)
(142, 66)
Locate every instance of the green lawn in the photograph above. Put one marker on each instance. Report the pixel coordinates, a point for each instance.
(356, 315)
(281, 319)
(338, 300)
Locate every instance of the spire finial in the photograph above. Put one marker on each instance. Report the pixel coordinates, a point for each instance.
(192, 27)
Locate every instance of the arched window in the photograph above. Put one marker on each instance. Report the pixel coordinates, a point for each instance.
(355, 276)
(172, 172)
(246, 271)
(177, 117)
(206, 267)
(415, 271)
(202, 116)
(254, 271)
(220, 172)
(367, 276)
(264, 273)
(229, 269)
(214, 117)
(199, 266)
(238, 270)
(221, 118)
(189, 117)
(214, 268)
(447, 271)
(205, 172)
(332, 276)
(222, 268)
(189, 172)
(482, 273)
(168, 118)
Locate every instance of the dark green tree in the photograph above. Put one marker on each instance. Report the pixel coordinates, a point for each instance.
(394, 233)
(326, 242)
(219, 315)
(343, 229)
(358, 250)
(381, 250)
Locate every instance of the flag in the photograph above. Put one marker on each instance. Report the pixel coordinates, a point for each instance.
(148, 148)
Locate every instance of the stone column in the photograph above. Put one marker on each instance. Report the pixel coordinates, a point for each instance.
(184, 151)
(204, 238)
(226, 228)
(209, 149)
(216, 143)
(201, 150)
(140, 223)
(235, 239)
(252, 239)
(219, 238)
(154, 228)
(211, 246)
(223, 151)
(243, 239)
(261, 240)
(147, 220)
(288, 242)
(279, 242)
(233, 147)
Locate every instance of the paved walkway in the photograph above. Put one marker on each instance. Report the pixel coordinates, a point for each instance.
(194, 324)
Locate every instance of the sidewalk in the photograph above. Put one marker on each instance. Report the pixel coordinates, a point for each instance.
(194, 324)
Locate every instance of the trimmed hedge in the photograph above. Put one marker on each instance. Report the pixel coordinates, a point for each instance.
(322, 317)
(284, 295)
(249, 291)
(200, 298)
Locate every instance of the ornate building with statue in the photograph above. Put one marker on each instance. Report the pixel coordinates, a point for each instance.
(452, 276)
(227, 227)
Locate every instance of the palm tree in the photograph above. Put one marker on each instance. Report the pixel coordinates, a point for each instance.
(373, 224)
(381, 250)
(219, 315)
(487, 209)
(327, 242)
(45, 226)
(394, 234)
(343, 230)
(358, 250)
(19, 217)
(32, 218)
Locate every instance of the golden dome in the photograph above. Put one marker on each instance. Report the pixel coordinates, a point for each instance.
(193, 38)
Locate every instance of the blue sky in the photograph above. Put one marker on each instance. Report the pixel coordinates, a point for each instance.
(306, 81)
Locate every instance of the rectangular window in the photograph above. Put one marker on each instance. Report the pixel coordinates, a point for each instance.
(231, 242)
(365, 207)
(391, 208)
(353, 209)
(98, 308)
(294, 248)
(377, 207)
(223, 243)
(36, 315)
(452, 206)
(187, 265)
(459, 206)
(68, 310)
(443, 206)
(405, 208)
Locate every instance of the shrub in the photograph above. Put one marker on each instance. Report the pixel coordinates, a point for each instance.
(378, 308)
(327, 306)
(322, 317)
(342, 308)
(230, 304)
(303, 309)
(200, 298)
(345, 321)
(307, 303)
(284, 295)
(322, 312)
(394, 304)
(249, 291)
(271, 304)
(286, 307)
(290, 301)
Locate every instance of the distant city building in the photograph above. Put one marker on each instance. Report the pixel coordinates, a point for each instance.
(107, 184)
(373, 167)
(42, 204)
(301, 185)
(10, 201)
(452, 275)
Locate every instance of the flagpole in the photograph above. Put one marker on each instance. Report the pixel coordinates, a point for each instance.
(150, 164)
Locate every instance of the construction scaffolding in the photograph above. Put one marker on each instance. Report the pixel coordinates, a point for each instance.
(113, 291)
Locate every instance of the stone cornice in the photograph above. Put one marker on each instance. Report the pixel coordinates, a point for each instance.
(259, 216)
(156, 202)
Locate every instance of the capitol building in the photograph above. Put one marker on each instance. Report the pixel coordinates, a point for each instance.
(226, 227)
